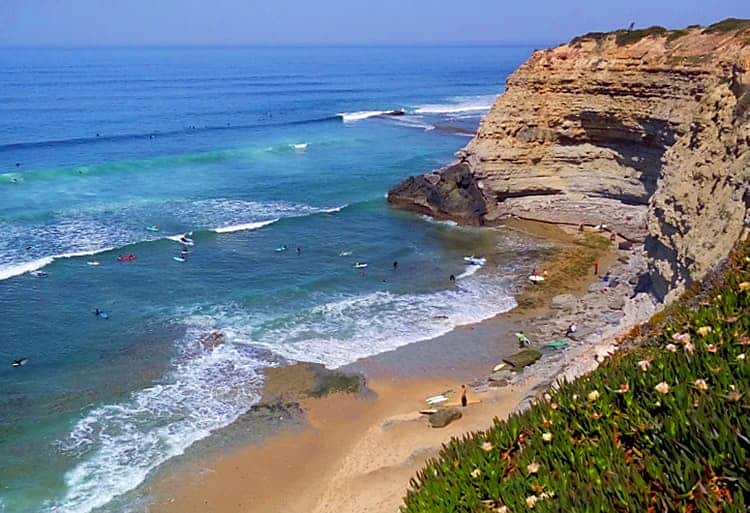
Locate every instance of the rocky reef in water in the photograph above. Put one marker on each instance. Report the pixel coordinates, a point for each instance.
(647, 131)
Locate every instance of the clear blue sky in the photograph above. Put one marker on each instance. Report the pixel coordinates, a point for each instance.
(348, 22)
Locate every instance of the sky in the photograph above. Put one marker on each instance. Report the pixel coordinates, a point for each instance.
(96, 23)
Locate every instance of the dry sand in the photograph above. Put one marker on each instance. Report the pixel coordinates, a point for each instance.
(357, 455)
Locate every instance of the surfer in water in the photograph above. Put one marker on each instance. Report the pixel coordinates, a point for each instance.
(299, 250)
(20, 362)
(395, 265)
(452, 278)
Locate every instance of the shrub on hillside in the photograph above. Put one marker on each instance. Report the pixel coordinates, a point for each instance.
(660, 427)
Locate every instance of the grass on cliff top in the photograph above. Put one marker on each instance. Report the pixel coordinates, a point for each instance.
(728, 25)
(663, 426)
(626, 37)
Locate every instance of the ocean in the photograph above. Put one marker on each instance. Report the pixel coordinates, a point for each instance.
(276, 163)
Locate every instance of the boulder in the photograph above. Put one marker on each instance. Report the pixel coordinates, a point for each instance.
(563, 302)
(523, 358)
(444, 417)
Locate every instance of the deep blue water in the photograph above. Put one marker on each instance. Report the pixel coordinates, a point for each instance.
(250, 150)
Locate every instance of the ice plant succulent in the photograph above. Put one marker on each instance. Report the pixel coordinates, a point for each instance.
(644, 365)
(532, 468)
(704, 330)
(593, 395)
(701, 385)
(662, 388)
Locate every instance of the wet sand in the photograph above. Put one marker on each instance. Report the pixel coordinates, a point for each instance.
(358, 452)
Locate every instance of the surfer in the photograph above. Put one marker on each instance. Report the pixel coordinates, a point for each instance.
(97, 312)
(395, 265)
(299, 250)
(452, 278)
(20, 362)
(464, 399)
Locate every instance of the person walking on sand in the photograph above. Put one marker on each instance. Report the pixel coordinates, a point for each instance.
(571, 329)
(596, 268)
(464, 399)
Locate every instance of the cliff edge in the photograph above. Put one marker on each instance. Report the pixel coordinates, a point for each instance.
(647, 131)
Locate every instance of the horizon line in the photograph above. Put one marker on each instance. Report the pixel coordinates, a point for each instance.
(465, 44)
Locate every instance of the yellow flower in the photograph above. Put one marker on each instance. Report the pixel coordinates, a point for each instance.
(662, 388)
(476, 473)
(593, 395)
(547, 437)
(502, 509)
(532, 468)
(701, 385)
(531, 501)
(745, 285)
(486, 446)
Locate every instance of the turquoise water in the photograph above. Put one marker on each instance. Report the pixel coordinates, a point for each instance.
(248, 150)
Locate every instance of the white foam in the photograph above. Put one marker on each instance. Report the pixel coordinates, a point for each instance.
(119, 444)
(349, 117)
(343, 330)
(470, 270)
(458, 105)
(244, 226)
(445, 222)
(11, 270)
(299, 146)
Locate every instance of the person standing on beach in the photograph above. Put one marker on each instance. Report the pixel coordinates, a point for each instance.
(464, 399)
(596, 268)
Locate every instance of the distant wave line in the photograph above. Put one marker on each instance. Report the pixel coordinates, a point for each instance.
(151, 135)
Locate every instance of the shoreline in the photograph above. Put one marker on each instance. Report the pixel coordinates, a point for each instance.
(379, 436)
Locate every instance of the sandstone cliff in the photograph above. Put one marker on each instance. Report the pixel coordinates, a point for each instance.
(646, 131)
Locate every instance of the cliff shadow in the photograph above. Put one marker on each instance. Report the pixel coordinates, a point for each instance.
(639, 146)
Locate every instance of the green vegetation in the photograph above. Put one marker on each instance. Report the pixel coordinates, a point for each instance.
(628, 37)
(566, 270)
(728, 25)
(663, 426)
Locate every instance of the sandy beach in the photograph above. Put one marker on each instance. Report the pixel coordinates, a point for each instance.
(357, 452)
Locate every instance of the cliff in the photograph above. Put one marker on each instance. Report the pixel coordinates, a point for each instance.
(647, 131)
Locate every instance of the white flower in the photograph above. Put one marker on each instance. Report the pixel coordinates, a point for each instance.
(593, 395)
(547, 397)
(486, 446)
(662, 388)
(671, 348)
(502, 509)
(701, 385)
(476, 473)
(547, 437)
(575, 397)
(704, 330)
(644, 365)
(532, 468)
(741, 356)
(531, 501)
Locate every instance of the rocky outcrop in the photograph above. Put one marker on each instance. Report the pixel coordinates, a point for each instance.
(450, 194)
(646, 131)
